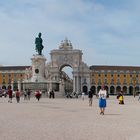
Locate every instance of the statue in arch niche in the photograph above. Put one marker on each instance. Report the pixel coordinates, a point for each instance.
(39, 47)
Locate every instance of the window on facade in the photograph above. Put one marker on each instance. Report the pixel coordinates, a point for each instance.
(124, 75)
(131, 80)
(9, 75)
(99, 75)
(3, 81)
(14, 77)
(118, 80)
(85, 80)
(112, 81)
(118, 72)
(20, 75)
(124, 80)
(105, 81)
(118, 75)
(99, 80)
(55, 77)
(9, 81)
(111, 75)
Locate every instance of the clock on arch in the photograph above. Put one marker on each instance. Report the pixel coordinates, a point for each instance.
(37, 71)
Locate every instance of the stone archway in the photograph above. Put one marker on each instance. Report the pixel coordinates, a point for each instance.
(67, 79)
(125, 90)
(3, 87)
(112, 90)
(67, 56)
(106, 88)
(131, 90)
(118, 89)
(93, 88)
(98, 89)
(137, 88)
(85, 89)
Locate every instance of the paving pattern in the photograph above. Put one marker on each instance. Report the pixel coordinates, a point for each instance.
(69, 119)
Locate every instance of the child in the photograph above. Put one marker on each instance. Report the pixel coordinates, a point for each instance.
(121, 99)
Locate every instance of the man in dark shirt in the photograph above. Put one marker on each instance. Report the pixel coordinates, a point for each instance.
(90, 96)
(10, 94)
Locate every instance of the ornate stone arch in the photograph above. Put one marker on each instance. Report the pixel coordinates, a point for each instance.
(67, 56)
(64, 65)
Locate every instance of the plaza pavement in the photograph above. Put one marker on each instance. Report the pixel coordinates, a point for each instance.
(69, 119)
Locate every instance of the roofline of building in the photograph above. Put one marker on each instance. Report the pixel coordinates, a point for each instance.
(13, 67)
(109, 67)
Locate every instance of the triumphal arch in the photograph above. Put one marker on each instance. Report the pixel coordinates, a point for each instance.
(67, 56)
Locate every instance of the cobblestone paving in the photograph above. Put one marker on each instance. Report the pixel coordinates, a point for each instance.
(69, 119)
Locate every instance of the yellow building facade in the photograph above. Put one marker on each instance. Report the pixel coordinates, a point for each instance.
(115, 79)
(11, 75)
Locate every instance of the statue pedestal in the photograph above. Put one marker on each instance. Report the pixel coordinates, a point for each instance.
(38, 68)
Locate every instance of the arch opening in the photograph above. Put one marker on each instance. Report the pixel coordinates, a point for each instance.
(66, 77)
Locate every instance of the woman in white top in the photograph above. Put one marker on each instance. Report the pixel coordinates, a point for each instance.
(102, 100)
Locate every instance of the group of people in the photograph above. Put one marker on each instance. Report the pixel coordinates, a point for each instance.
(102, 95)
(17, 94)
(26, 95)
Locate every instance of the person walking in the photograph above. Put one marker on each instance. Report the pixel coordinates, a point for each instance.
(25, 94)
(50, 93)
(53, 94)
(29, 94)
(17, 96)
(10, 93)
(90, 96)
(102, 100)
(38, 95)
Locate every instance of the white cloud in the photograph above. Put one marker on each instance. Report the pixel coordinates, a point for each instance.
(102, 33)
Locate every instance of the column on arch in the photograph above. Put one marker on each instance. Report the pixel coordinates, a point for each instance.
(77, 87)
(79, 83)
(75, 83)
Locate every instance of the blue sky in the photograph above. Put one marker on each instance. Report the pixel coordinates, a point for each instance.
(107, 31)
